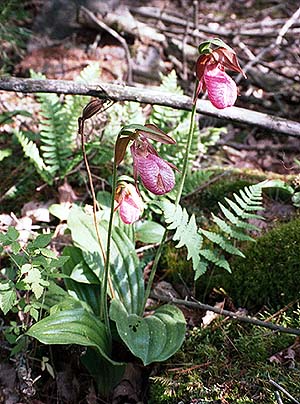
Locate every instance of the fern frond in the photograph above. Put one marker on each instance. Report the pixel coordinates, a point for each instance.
(167, 117)
(201, 269)
(231, 231)
(194, 179)
(215, 258)
(32, 152)
(73, 105)
(58, 124)
(222, 242)
(186, 230)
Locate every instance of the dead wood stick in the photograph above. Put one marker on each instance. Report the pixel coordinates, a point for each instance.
(151, 96)
(282, 32)
(287, 26)
(112, 32)
(284, 391)
(227, 313)
(156, 13)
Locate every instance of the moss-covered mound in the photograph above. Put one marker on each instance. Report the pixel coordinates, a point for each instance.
(270, 273)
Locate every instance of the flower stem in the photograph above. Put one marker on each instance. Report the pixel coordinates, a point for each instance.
(179, 193)
(103, 299)
(186, 156)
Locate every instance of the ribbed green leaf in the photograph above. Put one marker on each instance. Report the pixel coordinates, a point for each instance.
(75, 326)
(149, 232)
(153, 338)
(84, 286)
(126, 274)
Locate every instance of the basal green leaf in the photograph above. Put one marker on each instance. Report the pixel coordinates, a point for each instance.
(149, 232)
(126, 274)
(153, 338)
(105, 374)
(76, 326)
(86, 291)
(277, 184)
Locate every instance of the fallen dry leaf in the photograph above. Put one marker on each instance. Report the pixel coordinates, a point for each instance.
(210, 316)
(37, 211)
(289, 356)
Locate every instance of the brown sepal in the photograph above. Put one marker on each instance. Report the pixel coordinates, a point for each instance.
(227, 59)
(120, 148)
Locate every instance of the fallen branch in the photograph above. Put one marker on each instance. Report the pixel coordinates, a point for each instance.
(284, 391)
(236, 316)
(100, 24)
(156, 13)
(150, 96)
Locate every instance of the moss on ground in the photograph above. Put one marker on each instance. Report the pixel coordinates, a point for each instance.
(227, 363)
(268, 276)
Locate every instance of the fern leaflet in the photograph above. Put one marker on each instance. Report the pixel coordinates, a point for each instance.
(186, 229)
(187, 234)
(32, 152)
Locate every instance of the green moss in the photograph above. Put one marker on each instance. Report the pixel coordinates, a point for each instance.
(174, 264)
(229, 365)
(268, 276)
(207, 199)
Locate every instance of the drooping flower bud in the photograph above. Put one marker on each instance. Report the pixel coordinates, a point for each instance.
(130, 204)
(156, 174)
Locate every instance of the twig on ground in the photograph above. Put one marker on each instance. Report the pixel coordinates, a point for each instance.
(282, 310)
(278, 397)
(277, 42)
(236, 316)
(280, 388)
(287, 26)
(150, 96)
(113, 33)
(156, 13)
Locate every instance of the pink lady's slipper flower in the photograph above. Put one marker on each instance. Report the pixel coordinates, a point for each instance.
(210, 71)
(156, 174)
(130, 204)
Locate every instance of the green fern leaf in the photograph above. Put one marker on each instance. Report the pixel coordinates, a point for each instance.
(32, 152)
(212, 256)
(201, 269)
(232, 232)
(222, 242)
(242, 212)
(227, 213)
(186, 230)
(249, 205)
